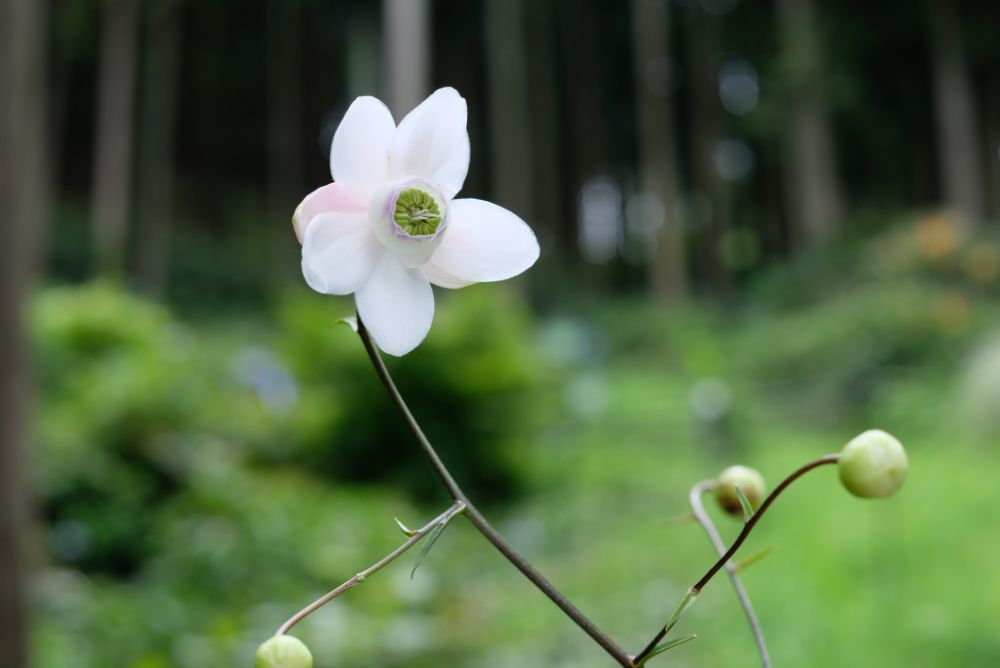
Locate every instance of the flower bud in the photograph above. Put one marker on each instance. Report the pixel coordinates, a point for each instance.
(873, 465)
(750, 482)
(283, 652)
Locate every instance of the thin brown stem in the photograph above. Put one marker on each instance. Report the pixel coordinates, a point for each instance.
(479, 521)
(747, 528)
(415, 537)
(741, 593)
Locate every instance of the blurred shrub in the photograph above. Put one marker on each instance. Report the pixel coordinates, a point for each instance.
(469, 384)
(131, 400)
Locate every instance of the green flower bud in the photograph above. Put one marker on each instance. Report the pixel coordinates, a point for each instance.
(873, 465)
(283, 652)
(750, 482)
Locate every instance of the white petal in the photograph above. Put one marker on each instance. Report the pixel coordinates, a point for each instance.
(331, 197)
(432, 142)
(396, 305)
(441, 278)
(484, 242)
(339, 253)
(359, 156)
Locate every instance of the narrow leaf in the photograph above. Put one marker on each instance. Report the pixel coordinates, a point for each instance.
(745, 503)
(432, 537)
(351, 321)
(405, 529)
(670, 644)
(759, 555)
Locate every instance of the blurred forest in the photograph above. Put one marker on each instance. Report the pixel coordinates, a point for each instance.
(765, 227)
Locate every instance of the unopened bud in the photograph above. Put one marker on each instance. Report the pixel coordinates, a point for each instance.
(873, 465)
(283, 652)
(750, 482)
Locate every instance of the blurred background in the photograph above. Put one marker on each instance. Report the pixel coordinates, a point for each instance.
(765, 227)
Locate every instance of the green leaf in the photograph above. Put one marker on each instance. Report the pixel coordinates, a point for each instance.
(351, 321)
(432, 537)
(759, 555)
(405, 529)
(670, 644)
(744, 503)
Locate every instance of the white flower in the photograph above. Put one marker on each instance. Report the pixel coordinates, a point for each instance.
(388, 226)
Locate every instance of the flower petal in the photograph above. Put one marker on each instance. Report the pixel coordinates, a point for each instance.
(332, 197)
(396, 305)
(432, 142)
(339, 253)
(484, 242)
(359, 157)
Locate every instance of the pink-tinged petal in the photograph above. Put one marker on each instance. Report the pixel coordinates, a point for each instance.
(484, 242)
(396, 305)
(432, 142)
(359, 156)
(331, 198)
(339, 253)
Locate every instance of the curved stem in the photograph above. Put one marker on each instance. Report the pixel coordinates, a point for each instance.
(479, 521)
(741, 593)
(415, 537)
(747, 528)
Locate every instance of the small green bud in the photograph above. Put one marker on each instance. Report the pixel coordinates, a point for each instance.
(750, 482)
(873, 465)
(283, 652)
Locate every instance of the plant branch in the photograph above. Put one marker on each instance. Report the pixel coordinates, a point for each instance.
(741, 593)
(415, 537)
(479, 521)
(747, 528)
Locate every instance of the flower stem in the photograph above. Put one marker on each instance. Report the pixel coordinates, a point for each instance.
(479, 521)
(747, 528)
(741, 593)
(415, 537)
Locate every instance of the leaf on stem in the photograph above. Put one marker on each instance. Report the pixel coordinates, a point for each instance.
(670, 644)
(744, 503)
(410, 533)
(351, 321)
(432, 537)
(759, 555)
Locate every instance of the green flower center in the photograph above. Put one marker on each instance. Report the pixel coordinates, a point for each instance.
(417, 212)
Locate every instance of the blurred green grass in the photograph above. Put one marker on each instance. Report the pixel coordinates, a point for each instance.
(200, 482)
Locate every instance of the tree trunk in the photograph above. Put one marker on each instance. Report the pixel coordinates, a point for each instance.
(657, 152)
(544, 130)
(993, 149)
(113, 155)
(406, 39)
(284, 126)
(158, 117)
(22, 193)
(958, 136)
(709, 207)
(512, 174)
(813, 190)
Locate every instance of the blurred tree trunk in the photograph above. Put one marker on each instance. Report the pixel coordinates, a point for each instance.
(506, 70)
(580, 36)
(657, 152)
(157, 122)
(709, 209)
(113, 151)
(993, 149)
(544, 129)
(813, 192)
(958, 137)
(363, 52)
(22, 211)
(406, 40)
(284, 124)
